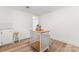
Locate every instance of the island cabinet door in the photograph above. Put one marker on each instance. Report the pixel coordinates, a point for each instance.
(44, 41)
(7, 37)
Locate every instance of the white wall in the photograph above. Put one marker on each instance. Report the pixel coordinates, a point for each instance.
(63, 24)
(22, 22)
(17, 20)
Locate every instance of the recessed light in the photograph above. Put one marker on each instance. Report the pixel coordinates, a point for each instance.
(27, 7)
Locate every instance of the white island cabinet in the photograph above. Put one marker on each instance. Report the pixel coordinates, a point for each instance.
(40, 40)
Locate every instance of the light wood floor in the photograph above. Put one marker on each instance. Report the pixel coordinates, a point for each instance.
(58, 46)
(24, 46)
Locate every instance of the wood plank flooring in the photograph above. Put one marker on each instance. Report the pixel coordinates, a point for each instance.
(58, 46)
(22, 46)
(25, 46)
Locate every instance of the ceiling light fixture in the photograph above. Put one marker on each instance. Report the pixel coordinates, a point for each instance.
(27, 7)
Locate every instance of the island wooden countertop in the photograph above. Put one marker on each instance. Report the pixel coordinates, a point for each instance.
(42, 31)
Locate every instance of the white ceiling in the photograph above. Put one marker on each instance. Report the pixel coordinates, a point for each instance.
(37, 10)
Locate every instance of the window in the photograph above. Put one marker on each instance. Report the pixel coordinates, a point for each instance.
(35, 21)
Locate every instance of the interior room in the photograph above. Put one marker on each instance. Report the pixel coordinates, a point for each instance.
(39, 28)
